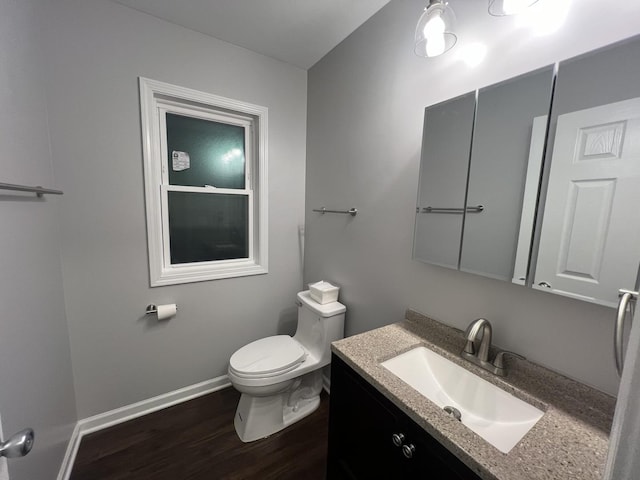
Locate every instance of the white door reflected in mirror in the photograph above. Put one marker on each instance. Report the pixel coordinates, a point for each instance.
(590, 226)
(530, 199)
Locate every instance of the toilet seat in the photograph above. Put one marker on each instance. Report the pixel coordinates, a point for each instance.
(267, 357)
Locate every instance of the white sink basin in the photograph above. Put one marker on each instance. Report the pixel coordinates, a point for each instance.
(497, 416)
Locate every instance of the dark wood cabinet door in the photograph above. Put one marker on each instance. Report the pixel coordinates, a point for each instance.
(362, 425)
(360, 432)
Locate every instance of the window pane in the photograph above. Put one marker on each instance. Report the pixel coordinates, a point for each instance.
(205, 226)
(204, 152)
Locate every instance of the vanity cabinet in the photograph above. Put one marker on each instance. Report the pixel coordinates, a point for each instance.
(371, 438)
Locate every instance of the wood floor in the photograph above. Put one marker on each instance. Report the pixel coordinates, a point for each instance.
(196, 441)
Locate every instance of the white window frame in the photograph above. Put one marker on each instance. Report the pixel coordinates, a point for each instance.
(157, 99)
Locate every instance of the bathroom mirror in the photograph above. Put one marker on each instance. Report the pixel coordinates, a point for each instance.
(584, 241)
(475, 157)
(446, 142)
(501, 155)
(589, 244)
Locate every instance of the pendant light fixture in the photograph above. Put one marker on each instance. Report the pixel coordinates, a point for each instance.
(501, 8)
(434, 32)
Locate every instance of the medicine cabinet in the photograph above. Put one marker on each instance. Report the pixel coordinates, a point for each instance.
(506, 193)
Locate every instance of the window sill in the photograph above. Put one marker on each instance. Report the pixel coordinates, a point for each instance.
(178, 275)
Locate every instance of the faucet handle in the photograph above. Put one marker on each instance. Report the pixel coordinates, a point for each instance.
(498, 362)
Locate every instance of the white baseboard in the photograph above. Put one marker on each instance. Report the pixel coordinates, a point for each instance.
(70, 454)
(135, 410)
(326, 384)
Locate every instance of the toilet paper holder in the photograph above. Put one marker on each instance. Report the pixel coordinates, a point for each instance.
(152, 309)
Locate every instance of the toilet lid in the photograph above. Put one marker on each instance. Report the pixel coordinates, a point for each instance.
(267, 356)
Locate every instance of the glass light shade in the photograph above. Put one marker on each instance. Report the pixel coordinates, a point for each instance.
(434, 32)
(501, 8)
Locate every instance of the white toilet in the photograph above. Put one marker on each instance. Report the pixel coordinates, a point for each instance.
(280, 377)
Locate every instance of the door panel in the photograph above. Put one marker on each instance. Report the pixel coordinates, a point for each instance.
(586, 222)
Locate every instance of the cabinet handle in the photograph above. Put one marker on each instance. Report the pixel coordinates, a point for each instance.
(397, 439)
(545, 284)
(408, 450)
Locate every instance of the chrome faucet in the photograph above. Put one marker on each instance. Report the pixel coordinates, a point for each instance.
(477, 350)
(471, 347)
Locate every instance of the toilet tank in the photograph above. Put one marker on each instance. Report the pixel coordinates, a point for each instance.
(319, 325)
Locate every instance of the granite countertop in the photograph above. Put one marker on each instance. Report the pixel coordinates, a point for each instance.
(569, 442)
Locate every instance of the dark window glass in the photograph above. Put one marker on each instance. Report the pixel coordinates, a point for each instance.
(216, 153)
(205, 226)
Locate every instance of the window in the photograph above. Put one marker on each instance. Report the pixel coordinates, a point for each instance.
(205, 166)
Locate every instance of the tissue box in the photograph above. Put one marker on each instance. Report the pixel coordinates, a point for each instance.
(323, 292)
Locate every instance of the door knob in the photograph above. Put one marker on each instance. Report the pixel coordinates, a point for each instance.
(18, 445)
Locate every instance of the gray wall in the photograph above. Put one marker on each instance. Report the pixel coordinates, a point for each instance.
(365, 102)
(96, 51)
(35, 366)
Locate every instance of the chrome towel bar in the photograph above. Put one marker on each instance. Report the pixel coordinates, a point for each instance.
(352, 211)
(39, 191)
(477, 209)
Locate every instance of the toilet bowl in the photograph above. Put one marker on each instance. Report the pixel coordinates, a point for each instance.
(280, 377)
